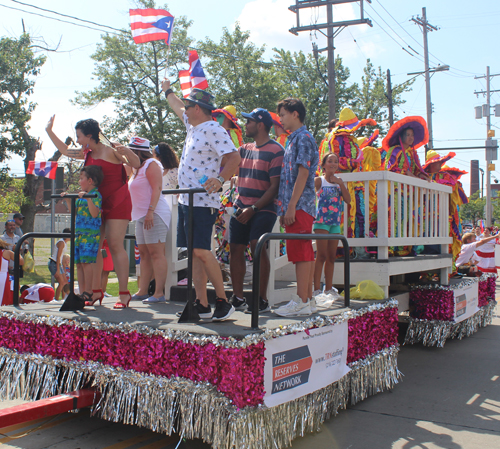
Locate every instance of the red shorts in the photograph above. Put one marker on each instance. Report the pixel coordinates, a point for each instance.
(300, 250)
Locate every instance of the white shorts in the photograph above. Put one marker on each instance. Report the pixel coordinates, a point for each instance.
(157, 234)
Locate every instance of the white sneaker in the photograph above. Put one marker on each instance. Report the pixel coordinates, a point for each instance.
(294, 308)
(316, 293)
(312, 305)
(334, 293)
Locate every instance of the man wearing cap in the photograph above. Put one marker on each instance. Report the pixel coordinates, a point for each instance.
(18, 219)
(10, 237)
(206, 144)
(258, 184)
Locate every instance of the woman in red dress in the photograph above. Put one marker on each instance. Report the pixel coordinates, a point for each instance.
(116, 202)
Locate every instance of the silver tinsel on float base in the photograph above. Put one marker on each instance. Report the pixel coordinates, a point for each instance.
(435, 333)
(194, 410)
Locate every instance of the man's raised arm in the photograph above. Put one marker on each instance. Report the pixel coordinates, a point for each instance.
(173, 100)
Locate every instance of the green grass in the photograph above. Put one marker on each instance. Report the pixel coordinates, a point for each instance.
(113, 289)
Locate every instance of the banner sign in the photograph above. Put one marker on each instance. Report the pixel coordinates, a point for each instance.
(304, 362)
(466, 301)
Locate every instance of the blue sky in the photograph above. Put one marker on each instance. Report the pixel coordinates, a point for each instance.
(466, 41)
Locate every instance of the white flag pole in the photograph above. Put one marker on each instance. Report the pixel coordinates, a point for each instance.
(168, 49)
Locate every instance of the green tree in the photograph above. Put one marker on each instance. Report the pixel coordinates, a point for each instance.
(371, 98)
(473, 210)
(130, 77)
(12, 196)
(237, 73)
(304, 76)
(19, 67)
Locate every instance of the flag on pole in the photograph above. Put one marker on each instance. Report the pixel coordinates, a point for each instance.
(194, 76)
(45, 169)
(151, 25)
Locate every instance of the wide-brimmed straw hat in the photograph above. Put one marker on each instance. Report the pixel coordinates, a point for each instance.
(433, 156)
(414, 122)
(349, 122)
(228, 111)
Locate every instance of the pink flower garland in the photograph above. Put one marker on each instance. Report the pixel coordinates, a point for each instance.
(238, 373)
(432, 304)
(439, 304)
(486, 291)
(372, 332)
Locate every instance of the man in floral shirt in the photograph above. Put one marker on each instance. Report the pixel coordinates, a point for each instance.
(296, 202)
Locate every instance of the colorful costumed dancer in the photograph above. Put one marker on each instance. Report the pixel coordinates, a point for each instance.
(399, 155)
(399, 147)
(438, 172)
(342, 142)
(226, 117)
(280, 134)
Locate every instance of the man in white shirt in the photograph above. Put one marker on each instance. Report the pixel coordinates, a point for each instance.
(207, 145)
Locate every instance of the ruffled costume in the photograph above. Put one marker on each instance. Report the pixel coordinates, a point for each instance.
(450, 176)
(283, 137)
(397, 159)
(116, 201)
(235, 131)
(341, 141)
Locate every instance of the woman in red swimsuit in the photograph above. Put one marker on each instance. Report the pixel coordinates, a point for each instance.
(116, 203)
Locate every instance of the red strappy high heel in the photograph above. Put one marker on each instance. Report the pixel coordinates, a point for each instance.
(121, 305)
(93, 301)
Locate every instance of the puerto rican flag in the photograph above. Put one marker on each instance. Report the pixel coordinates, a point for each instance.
(194, 77)
(45, 169)
(151, 25)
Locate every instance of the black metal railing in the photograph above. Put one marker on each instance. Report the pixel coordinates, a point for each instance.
(277, 236)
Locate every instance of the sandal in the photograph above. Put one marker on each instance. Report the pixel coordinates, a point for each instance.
(123, 305)
(90, 301)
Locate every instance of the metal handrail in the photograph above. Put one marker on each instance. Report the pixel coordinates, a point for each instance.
(277, 236)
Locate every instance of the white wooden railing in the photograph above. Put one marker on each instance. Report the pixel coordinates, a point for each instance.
(421, 219)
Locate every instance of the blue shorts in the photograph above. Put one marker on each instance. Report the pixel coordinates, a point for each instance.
(331, 229)
(86, 247)
(53, 268)
(241, 234)
(203, 223)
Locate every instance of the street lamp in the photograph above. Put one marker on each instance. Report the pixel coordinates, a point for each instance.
(482, 181)
(439, 68)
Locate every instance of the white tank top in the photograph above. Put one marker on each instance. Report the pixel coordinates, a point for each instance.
(141, 192)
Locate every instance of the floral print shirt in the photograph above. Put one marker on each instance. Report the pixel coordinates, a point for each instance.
(301, 150)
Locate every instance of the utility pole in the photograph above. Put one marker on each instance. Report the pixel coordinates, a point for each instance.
(333, 29)
(389, 98)
(490, 145)
(426, 26)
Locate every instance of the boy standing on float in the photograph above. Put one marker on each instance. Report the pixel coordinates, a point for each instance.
(296, 202)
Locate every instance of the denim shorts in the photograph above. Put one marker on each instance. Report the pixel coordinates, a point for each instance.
(203, 223)
(53, 268)
(261, 223)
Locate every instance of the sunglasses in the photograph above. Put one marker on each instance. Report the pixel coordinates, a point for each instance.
(187, 106)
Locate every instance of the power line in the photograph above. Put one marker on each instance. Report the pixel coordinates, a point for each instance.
(58, 20)
(65, 15)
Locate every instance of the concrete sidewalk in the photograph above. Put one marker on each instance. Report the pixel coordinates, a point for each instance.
(448, 398)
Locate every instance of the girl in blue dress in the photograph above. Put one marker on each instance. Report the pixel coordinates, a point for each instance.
(331, 193)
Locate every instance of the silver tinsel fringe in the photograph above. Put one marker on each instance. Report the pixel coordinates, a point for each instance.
(195, 410)
(435, 333)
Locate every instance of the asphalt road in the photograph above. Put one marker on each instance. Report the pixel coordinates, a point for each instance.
(449, 398)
